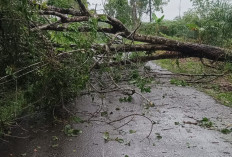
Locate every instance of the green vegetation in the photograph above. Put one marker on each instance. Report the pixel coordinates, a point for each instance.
(218, 89)
(226, 131)
(107, 138)
(209, 23)
(140, 82)
(126, 99)
(32, 79)
(178, 82)
(158, 136)
(41, 71)
(226, 97)
(205, 122)
(183, 66)
(69, 131)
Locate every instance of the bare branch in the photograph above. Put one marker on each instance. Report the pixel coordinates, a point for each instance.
(186, 49)
(82, 6)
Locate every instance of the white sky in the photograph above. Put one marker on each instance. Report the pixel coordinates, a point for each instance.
(170, 11)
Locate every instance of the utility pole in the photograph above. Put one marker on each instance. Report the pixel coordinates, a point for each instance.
(180, 9)
(150, 10)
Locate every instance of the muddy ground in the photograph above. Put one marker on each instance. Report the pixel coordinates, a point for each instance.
(176, 118)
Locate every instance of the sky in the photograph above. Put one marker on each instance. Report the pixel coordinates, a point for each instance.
(170, 11)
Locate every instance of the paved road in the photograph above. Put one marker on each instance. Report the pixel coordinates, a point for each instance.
(176, 132)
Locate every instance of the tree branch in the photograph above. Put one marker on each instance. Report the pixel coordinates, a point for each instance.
(186, 49)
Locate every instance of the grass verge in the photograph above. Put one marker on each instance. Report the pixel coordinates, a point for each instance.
(219, 87)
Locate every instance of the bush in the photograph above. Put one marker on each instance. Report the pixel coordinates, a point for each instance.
(32, 77)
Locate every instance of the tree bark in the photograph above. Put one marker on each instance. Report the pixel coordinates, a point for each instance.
(151, 43)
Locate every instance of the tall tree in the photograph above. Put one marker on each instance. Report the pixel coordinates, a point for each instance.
(132, 13)
(119, 9)
(155, 5)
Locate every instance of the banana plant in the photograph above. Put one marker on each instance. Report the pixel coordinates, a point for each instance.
(157, 22)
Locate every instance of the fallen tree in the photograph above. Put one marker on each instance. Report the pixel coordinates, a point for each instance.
(48, 54)
(116, 28)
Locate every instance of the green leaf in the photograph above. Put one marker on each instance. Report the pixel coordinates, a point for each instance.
(162, 18)
(67, 128)
(154, 17)
(226, 131)
(119, 140)
(205, 119)
(106, 136)
(103, 18)
(104, 114)
(9, 70)
(117, 109)
(77, 120)
(158, 136)
(55, 138)
(76, 132)
(55, 145)
(71, 132)
(44, 5)
(132, 131)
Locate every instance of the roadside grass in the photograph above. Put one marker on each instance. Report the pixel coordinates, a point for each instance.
(218, 87)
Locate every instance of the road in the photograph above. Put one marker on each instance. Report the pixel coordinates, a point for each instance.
(177, 127)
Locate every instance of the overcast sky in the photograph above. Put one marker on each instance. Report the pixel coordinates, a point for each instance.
(170, 11)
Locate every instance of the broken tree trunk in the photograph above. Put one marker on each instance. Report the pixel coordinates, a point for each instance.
(116, 28)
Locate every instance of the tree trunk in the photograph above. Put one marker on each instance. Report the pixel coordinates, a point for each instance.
(151, 43)
(150, 11)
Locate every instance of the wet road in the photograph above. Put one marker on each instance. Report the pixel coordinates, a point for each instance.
(176, 130)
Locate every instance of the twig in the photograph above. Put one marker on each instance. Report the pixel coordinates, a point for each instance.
(7, 135)
(202, 61)
(95, 113)
(182, 74)
(133, 33)
(135, 114)
(21, 127)
(204, 81)
(124, 124)
(149, 101)
(4, 140)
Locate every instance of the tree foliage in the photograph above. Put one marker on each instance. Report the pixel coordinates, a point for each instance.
(131, 12)
(32, 77)
(213, 21)
(119, 9)
(209, 23)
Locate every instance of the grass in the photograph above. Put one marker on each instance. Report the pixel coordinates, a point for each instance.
(219, 88)
(187, 66)
(178, 82)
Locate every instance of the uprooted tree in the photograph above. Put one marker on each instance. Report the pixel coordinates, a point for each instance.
(113, 28)
(48, 53)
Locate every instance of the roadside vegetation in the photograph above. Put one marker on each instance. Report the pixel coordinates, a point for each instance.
(207, 23)
(34, 82)
(215, 81)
